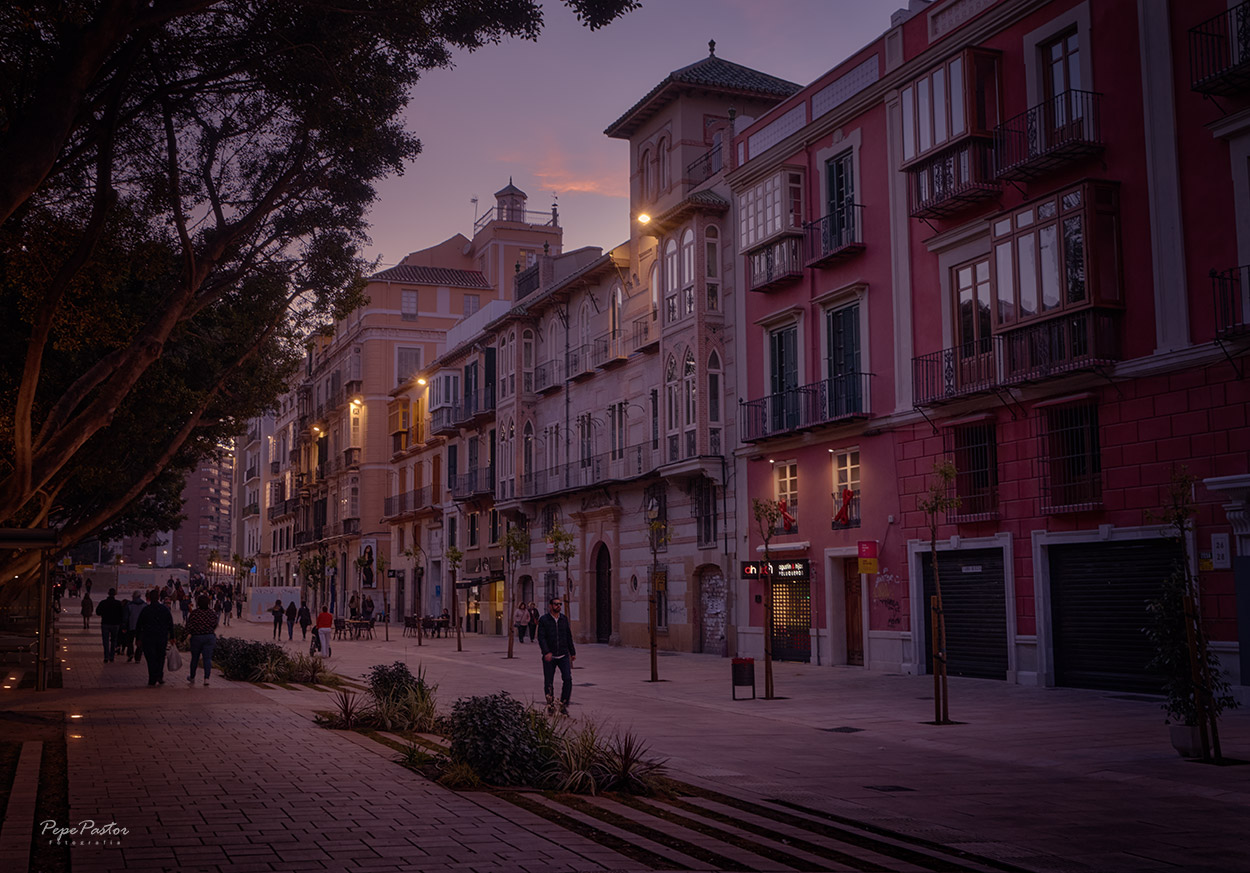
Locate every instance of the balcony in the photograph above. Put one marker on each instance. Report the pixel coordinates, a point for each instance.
(953, 179)
(253, 435)
(354, 388)
(408, 502)
(517, 215)
(1219, 53)
(251, 509)
(547, 377)
(580, 365)
(443, 421)
(283, 508)
(705, 166)
(1050, 135)
(336, 400)
(1081, 341)
(345, 528)
(1229, 288)
(620, 465)
(836, 237)
(275, 467)
(609, 350)
(302, 538)
(848, 519)
(474, 483)
(644, 339)
(253, 472)
(828, 401)
(940, 377)
(479, 404)
(776, 264)
(351, 458)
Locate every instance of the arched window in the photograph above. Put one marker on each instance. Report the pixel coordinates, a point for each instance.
(687, 257)
(646, 176)
(504, 365)
(615, 310)
(672, 280)
(527, 450)
(713, 388)
(653, 281)
(690, 387)
(673, 392)
(661, 152)
(527, 361)
(711, 238)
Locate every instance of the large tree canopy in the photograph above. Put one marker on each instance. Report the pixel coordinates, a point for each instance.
(184, 192)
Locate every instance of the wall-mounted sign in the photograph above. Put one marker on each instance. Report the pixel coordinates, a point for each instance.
(868, 556)
(1219, 551)
(799, 569)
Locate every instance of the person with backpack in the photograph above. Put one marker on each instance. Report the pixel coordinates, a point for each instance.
(292, 612)
(305, 619)
(277, 611)
(87, 611)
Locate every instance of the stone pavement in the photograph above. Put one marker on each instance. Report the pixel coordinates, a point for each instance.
(235, 777)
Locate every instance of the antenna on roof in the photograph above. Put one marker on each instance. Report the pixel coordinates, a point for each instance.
(711, 48)
(473, 200)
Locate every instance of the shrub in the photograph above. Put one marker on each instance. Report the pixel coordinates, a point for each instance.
(459, 775)
(497, 738)
(275, 668)
(180, 637)
(350, 711)
(385, 681)
(239, 659)
(304, 668)
(580, 761)
(628, 766)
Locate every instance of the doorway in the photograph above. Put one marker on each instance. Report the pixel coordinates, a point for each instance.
(852, 609)
(603, 595)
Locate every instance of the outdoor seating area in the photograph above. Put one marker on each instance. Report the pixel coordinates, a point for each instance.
(428, 625)
(353, 628)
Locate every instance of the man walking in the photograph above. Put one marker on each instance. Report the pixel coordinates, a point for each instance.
(555, 640)
(134, 649)
(155, 624)
(110, 611)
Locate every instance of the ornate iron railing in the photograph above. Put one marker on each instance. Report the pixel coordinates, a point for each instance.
(1065, 128)
(705, 166)
(838, 235)
(950, 180)
(1228, 288)
(1219, 53)
(830, 400)
(776, 263)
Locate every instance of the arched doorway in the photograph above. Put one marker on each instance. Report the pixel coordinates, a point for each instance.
(712, 614)
(603, 595)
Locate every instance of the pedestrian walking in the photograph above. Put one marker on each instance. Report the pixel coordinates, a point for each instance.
(353, 606)
(227, 607)
(155, 624)
(534, 613)
(87, 611)
(555, 640)
(87, 586)
(184, 604)
(292, 612)
(134, 650)
(325, 626)
(305, 619)
(202, 626)
(367, 607)
(238, 601)
(111, 612)
(278, 612)
(521, 618)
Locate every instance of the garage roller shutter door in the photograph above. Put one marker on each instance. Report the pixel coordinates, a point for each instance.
(975, 604)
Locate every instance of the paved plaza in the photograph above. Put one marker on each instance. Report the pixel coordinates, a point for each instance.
(237, 777)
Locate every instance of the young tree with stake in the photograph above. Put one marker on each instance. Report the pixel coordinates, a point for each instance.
(938, 500)
(767, 513)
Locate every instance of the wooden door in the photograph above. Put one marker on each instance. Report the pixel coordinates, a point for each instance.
(854, 613)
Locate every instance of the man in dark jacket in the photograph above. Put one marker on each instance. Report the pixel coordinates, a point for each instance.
(555, 641)
(130, 620)
(155, 624)
(110, 612)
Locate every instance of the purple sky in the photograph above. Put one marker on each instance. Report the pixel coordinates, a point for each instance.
(536, 111)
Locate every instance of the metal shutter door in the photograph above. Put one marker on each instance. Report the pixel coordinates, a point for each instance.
(975, 604)
(1098, 594)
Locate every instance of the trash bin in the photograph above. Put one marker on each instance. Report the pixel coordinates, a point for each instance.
(743, 671)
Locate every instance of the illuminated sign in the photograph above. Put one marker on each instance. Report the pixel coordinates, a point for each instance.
(799, 569)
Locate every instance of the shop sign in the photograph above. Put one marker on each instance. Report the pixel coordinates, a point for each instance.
(799, 569)
(868, 556)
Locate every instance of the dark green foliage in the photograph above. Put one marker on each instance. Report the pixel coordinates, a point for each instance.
(498, 738)
(240, 659)
(387, 681)
(180, 637)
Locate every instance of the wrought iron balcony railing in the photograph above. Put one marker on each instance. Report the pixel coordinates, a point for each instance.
(971, 368)
(517, 216)
(609, 349)
(479, 403)
(1085, 339)
(580, 363)
(644, 339)
(444, 420)
(351, 458)
(527, 282)
(836, 236)
(409, 501)
(705, 166)
(825, 402)
(253, 472)
(473, 483)
(1229, 287)
(612, 466)
(547, 376)
(1066, 128)
(775, 264)
(251, 509)
(274, 467)
(1219, 53)
(953, 179)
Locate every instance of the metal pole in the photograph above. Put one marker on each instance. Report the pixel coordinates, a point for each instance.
(43, 654)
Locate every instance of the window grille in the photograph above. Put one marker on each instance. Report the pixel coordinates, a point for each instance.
(703, 509)
(973, 448)
(1071, 466)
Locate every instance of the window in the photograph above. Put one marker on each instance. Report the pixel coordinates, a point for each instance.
(493, 527)
(506, 365)
(786, 475)
(407, 362)
(770, 206)
(655, 418)
(783, 353)
(355, 429)
(397, 425)
(646, 177)
(653, 281)
(616, 428)
(408, 305)
(473, 518)
(586, 438)
(973, 447)
(712, 258)
(839, 229)
(687, 257)
(703, 508)
(527, 361)
(672, 274)
(1061, 69)
(662, 159)
(846, 489)
(472, 303)
(842, 365)
(527, 450)
(713, 388)
(453, 459)
(1071, 462)
(673, 392)
(690, 390)
(943, 105)
(451, 532)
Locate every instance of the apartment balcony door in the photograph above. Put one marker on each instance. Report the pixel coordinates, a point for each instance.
(974, 345)
(784, 359)
(842, 365)
(1064, 114)
(841, 182)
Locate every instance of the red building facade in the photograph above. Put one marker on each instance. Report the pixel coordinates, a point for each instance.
(1004, 234)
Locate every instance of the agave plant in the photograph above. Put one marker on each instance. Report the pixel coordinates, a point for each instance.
(578, 765)
(275, 668)
(628, 766)
(350, 709)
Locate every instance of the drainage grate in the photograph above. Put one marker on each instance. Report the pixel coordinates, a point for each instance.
(843, 730)
(888, 788)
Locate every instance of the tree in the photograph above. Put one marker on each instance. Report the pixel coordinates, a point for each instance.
(516, 544)
(312, 569)
(658, 537)
(767, 513)
(563, 551)
(454, 557)
(939, 499)
(242, 567)
(186, 184)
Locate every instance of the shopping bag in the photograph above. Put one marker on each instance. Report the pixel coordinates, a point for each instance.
(173, 660)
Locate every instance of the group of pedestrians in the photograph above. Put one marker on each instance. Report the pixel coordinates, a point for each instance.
(291, 614)
(525, 617)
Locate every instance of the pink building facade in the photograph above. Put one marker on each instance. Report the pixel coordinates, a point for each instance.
(1004, 234)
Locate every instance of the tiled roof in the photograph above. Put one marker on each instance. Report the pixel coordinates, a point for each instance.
(712, 73)
(706, 201)
(433, 276)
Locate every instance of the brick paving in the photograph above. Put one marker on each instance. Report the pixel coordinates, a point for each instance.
(234, 777)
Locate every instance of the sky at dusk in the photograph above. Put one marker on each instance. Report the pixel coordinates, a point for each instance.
(536, 111)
